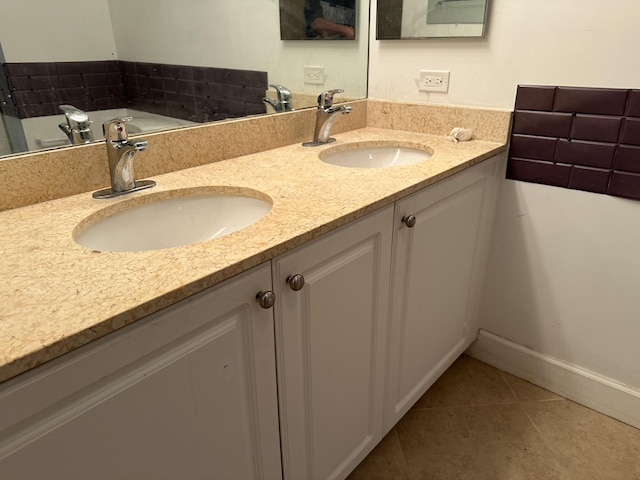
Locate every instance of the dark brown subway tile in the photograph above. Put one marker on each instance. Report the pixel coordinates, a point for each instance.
(71, 68)
(625, 184)
(631, 131)
(540, 98)
(170, 71)
(43, 83)
(597, 128)
(155, 83)
(69, 81)
(185, 86)
(99, 91)
(633, 106)
(170, 84)
(18, 69)
(539, 172)
(598, 101)
(20, 83)
(628, 158)
(590, 154)
(186, 73)
(20, 99)
(589, 179)
(542, 124)
(98, 67)
(95, 79)
(199, 74)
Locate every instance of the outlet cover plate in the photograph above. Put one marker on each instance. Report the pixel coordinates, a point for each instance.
(314, 75)
(433, 81)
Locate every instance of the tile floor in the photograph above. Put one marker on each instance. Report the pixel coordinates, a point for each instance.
(479, 423)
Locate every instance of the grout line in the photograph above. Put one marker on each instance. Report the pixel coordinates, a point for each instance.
(508, 385)
(404, 459)
(543, 437)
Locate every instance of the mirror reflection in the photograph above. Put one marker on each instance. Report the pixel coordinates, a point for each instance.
(317, 19)
(166, 64)
(409, 19)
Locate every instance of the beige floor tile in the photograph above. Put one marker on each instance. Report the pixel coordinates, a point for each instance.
(590, 445)
(385, 462)
(478, 423)
(475, 443)
(467, 382)
(525, 391)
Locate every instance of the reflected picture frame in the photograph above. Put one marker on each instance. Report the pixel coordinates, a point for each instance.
(422, 19)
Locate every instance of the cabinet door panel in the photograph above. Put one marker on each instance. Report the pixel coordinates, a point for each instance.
(435, 266)
(330, 343)
(200, 406)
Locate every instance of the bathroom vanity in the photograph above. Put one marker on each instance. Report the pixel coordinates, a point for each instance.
(168, 368)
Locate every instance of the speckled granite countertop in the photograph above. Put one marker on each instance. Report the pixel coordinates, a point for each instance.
(57, 295)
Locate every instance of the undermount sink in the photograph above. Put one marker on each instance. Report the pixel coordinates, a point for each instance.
(373, 155)
(161, 222)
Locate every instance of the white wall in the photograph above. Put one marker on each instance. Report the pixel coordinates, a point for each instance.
(46, 31)
(564, 274)
(242, 34)
(568, 42)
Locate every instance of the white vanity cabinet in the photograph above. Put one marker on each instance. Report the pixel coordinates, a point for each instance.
(441, 241)
(366, 319)
(330, 343)
(189, 392)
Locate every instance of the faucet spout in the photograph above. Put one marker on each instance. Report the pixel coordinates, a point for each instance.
(121, 152)
(325, 119)
(77, 127)
(326, 115)
(284, 103)
(121, 157)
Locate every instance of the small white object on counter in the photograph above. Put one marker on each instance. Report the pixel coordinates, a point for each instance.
(459, 134)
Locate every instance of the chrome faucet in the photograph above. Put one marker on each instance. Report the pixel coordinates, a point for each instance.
(326, 114)
(283, 104)
(78, 126)
(121, 152)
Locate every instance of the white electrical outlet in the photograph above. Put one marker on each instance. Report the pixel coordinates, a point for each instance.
(433, 81)
(314, 75)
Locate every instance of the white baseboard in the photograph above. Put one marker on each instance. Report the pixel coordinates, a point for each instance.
(575, 383)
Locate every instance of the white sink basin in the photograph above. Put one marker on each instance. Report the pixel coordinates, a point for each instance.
(373, 156)
(169, 222)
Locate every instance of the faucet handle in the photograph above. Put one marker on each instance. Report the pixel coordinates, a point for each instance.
(115, 130)
(325, 99)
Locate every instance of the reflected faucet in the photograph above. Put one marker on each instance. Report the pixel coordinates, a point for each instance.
(78, 126)
(326, 114)
(283, 104)
(121, 152)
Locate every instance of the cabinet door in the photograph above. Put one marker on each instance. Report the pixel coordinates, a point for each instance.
(330, 339)
(188, 393)
(436, 265)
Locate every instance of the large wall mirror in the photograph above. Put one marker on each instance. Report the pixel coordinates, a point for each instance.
(411, 19)
(165, 63)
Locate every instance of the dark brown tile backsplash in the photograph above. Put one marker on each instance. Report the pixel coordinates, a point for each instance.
(198, 94)
(578, 138)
